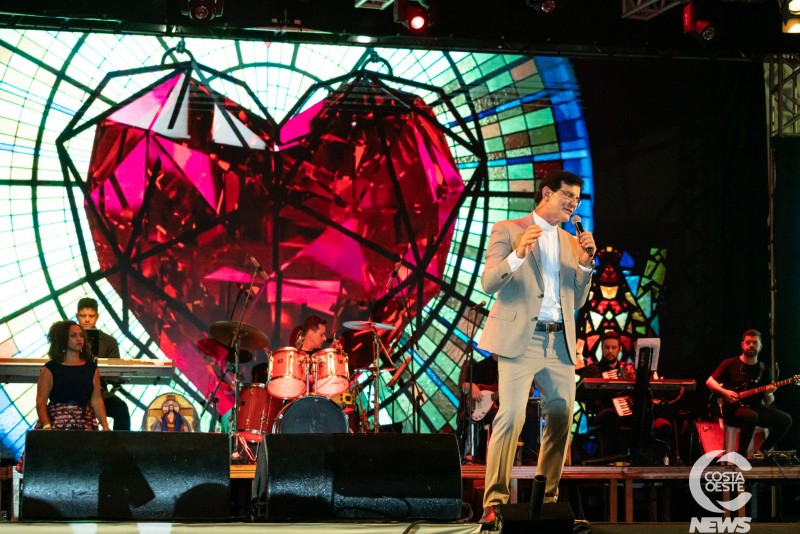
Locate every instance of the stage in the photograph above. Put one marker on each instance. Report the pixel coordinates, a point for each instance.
(649, 491)
(239, 528)
(632, 486)
(355, 528)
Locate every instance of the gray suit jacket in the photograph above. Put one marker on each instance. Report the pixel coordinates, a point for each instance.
(513, 316)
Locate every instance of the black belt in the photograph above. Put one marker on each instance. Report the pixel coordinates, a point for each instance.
(549, 326)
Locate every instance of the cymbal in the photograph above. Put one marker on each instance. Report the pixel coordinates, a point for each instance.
(250, 337)
(218, 351)
(366, 325)
(211, 347)
(371, 368)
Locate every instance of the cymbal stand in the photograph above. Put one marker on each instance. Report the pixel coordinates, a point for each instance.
(375, 377)
(212, 399)
(363, 418)
(376, 345)
(238, 440)
(470, 439)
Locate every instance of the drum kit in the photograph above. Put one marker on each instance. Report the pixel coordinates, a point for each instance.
(304, 393)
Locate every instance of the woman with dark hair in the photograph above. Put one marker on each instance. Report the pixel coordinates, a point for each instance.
(71, 383)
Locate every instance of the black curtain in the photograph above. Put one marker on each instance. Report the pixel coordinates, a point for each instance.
(787, 282)
(680, 161)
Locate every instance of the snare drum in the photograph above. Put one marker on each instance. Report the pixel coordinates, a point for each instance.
(311, 415)
(257, 411)
(332, 375)
(287, 373)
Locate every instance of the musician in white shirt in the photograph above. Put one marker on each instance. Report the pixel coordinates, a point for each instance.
(540, 275)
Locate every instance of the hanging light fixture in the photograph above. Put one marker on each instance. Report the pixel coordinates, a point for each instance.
(202, 10)
(413, 14)
(543, 6)
(696, 25)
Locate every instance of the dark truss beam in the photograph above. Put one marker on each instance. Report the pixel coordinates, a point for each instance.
(747, 30)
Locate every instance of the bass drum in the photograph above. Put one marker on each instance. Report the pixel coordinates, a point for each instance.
(311, 415)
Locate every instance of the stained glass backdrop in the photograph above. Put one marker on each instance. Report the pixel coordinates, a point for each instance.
(524, 114)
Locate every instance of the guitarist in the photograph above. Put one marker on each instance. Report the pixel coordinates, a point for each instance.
(744, 372)
(484, 378)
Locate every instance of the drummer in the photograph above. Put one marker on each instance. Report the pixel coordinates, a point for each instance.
(311, 335)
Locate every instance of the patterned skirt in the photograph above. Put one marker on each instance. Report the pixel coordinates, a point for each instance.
(65, 416)
(70, 416)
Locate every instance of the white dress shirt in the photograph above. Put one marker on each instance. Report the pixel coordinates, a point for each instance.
(549, 251)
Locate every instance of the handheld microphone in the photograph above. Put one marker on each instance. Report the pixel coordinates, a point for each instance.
(259, 269)
(392, 276)
(576, 220)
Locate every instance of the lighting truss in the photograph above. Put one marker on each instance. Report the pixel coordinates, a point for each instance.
(373, 4)
(647, 9)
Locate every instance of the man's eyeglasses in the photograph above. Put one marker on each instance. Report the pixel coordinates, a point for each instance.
(570, 196)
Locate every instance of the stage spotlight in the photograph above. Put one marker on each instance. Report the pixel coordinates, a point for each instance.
(202, 10)
(542, 6)
(696, 26)
(790, 13)
(413, 14)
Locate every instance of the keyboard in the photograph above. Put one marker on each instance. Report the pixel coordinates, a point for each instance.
(661, 384)
(26, 370)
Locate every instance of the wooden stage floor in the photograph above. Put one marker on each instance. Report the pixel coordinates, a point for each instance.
(623, 488)
(236, 528)
(624, 480)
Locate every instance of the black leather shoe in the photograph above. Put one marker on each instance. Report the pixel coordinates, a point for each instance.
(488, 520)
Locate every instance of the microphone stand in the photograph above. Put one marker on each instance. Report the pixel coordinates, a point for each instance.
(212, 400)
(236, 439)
(413, 345)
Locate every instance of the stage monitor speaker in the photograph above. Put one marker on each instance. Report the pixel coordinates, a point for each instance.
(556, 518)
(149, 476)
(313, 477)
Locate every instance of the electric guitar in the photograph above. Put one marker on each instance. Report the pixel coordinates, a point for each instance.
(487, 401)
(719, 406)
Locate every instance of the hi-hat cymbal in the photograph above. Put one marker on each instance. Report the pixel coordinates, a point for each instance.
(250, 337)
(366, 325)
(218, 351)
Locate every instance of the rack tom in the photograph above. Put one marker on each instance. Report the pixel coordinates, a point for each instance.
(287, 373)
(331, 375)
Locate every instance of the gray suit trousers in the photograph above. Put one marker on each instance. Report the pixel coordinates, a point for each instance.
(545, 360)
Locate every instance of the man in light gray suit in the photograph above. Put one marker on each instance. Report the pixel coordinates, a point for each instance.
(541, 274)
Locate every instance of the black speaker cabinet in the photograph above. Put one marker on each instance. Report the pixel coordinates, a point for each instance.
(313, 477)
(146, 476)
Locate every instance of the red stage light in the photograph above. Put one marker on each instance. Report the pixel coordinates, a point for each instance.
(417, 22)
(202, 10)
(694, 25)
(411, 14)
